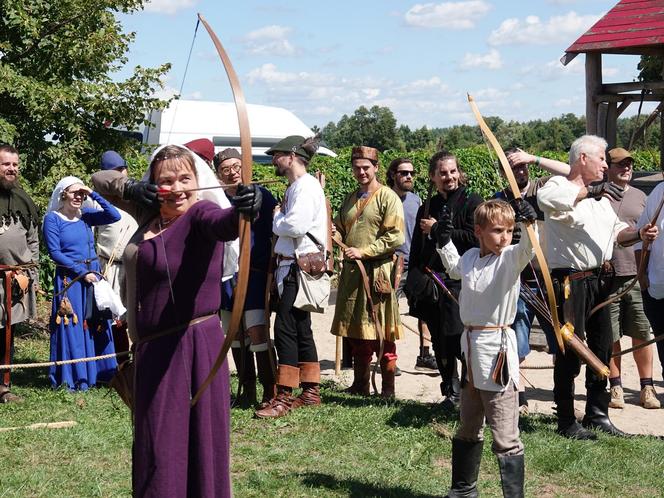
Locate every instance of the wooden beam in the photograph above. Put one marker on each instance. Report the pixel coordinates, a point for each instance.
(612, 124)
(602, 112)
(633, 86)
(604, 97)
(593, 88)
(623, 106)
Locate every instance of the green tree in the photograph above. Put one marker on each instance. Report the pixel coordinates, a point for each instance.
(375, 127)
(58, 99)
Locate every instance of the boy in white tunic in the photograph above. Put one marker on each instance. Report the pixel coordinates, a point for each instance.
(487, 302)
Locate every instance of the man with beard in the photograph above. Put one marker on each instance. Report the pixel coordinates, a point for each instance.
(400, 176)
(300, 224)
(19, 245)
(580, 230)
(441, 311)
(627, 315)
(370, 222)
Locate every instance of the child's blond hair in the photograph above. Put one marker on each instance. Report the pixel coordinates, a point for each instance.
(494, 211)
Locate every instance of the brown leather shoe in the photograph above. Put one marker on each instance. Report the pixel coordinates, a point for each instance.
(310, 396)
(277, 407)
(362, 368)
(388, 369)
(10, 397)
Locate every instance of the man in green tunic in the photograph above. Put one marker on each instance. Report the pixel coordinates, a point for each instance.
(371, 224)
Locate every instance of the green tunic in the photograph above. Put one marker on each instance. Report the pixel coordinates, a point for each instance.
(377, 233)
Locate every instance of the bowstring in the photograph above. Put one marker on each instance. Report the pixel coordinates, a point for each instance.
(184, 77)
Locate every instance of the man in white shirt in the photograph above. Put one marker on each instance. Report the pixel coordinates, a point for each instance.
(580, 230)
(298, 221)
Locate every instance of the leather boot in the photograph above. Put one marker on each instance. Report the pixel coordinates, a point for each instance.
(362, 368)
(597, 413)
(266, 375)
(244, 362)
(466, 457)
(511, 475)
(310, 382)
(6, 396)
(288, 378)
(388, 369)
(567, 424)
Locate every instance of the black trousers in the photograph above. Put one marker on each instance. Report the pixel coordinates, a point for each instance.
(654, 310)
(445, 327)
(585, 294)
(2, 355)
(293, 336)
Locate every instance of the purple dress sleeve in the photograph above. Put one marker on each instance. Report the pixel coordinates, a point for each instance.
(213, 222)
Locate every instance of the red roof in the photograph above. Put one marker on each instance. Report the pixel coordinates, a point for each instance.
(631, 27)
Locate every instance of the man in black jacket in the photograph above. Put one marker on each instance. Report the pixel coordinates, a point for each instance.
(438, 309)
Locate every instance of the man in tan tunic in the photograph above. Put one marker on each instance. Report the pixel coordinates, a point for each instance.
(371, 224)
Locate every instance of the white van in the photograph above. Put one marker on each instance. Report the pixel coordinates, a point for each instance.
(186, 120)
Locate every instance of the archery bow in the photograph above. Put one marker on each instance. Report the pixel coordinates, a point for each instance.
(244, 231)
(565, 334)
(529, 229)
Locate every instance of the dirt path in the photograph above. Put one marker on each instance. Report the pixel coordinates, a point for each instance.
(538, 381)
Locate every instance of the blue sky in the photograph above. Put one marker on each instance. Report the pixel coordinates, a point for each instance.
(324, 59)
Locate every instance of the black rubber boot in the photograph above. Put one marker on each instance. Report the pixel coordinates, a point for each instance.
(567, 424)
(466, 458)
(597, 413)
(511, 475)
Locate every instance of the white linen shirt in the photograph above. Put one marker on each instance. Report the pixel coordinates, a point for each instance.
(577, 235)
(489, 293)
(656, 261)
(303, 210)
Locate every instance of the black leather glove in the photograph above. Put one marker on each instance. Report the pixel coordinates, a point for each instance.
(605, 188)
(143, 193)
(524, 212)
(247, 200)
(442, 229)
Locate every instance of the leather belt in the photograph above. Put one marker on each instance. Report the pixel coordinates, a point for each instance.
(281, 257)
(578, 275)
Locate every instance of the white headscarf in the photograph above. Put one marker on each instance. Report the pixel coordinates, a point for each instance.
(206, 178)
(56, 197)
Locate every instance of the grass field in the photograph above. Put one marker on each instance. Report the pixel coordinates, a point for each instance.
(348, 447)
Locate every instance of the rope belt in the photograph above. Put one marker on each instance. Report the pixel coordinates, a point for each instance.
(473, 328)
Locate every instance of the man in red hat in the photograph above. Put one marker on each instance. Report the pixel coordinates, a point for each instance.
(371, 224)
(203, 148)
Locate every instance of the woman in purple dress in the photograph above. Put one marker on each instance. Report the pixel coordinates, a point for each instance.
(173, 267)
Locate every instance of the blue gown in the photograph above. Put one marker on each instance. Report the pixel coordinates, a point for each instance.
(71, 245)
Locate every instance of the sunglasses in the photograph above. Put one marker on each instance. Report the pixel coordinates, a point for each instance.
(405, 173)
(78, 193)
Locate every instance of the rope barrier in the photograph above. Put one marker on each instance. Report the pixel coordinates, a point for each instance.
(57, 363)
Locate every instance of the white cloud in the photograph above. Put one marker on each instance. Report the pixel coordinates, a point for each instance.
(610, 71)
(452, 15)
(490, 60)
(533, 31)
(269, 40)
(168, 6)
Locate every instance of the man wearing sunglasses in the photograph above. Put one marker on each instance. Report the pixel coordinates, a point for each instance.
(401, 177)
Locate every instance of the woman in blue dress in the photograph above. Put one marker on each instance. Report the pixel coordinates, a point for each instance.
(70, 244)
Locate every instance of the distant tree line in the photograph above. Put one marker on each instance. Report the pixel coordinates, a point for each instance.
(377, 127)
